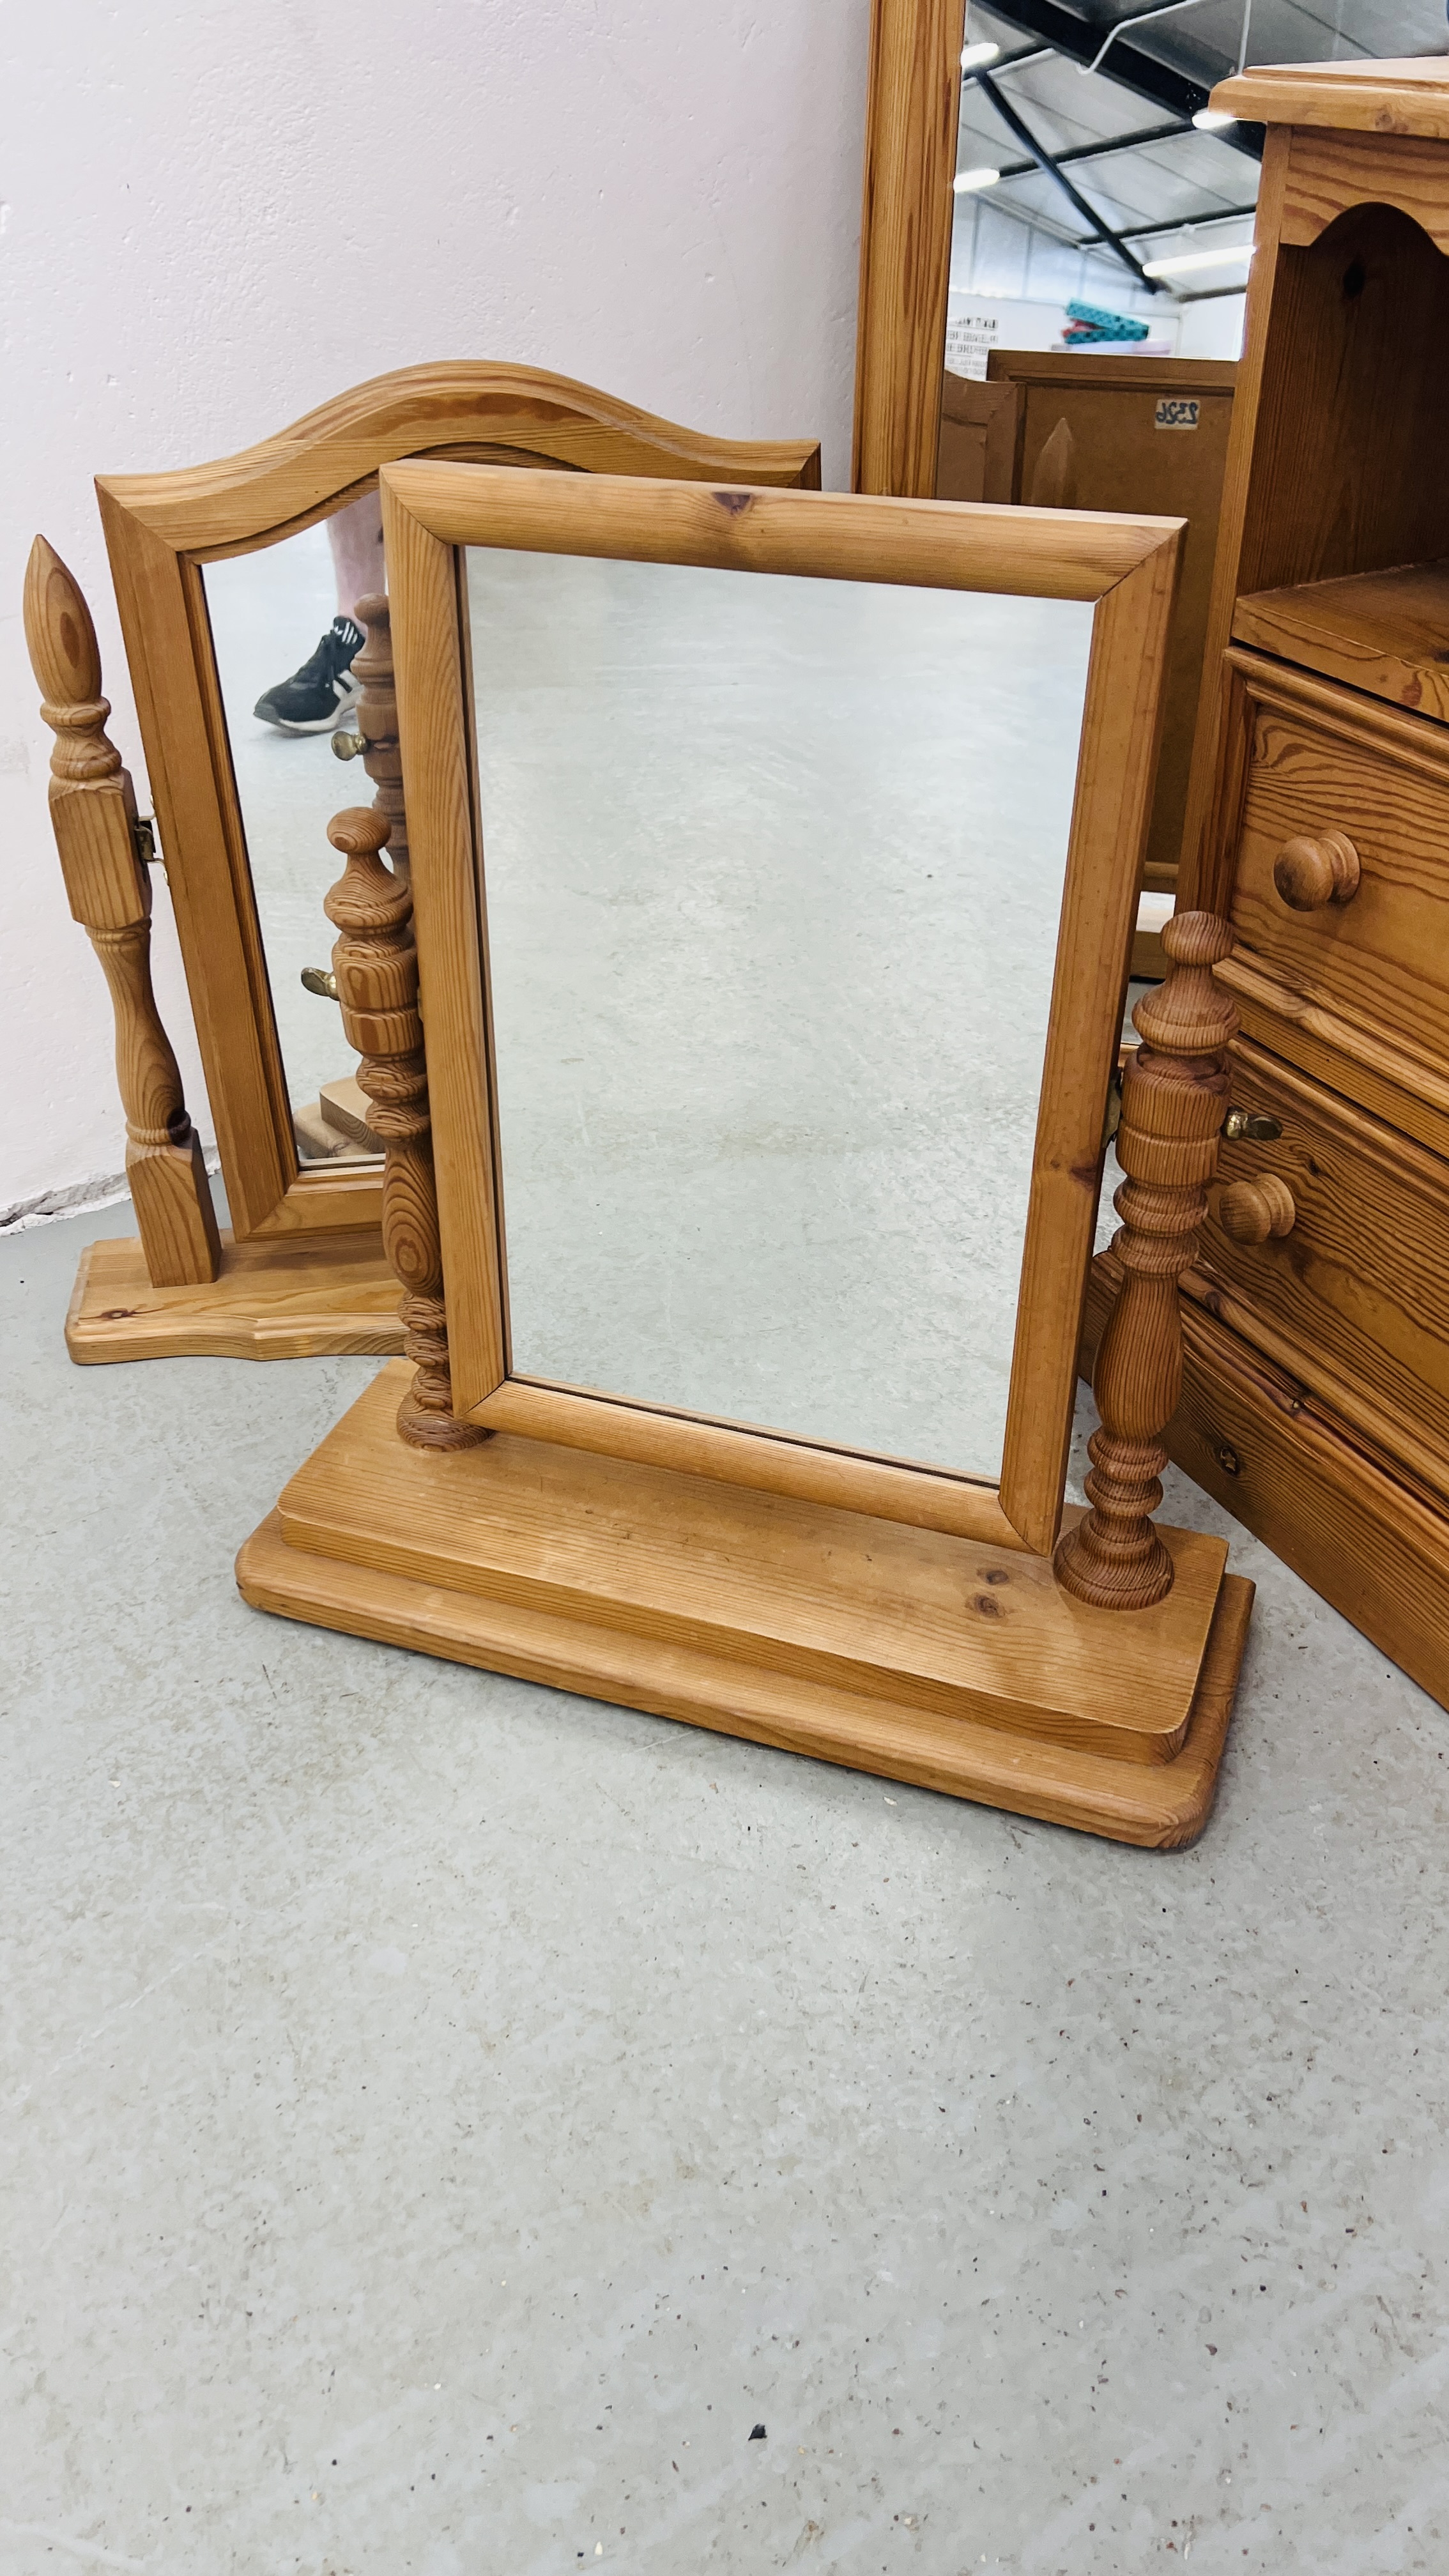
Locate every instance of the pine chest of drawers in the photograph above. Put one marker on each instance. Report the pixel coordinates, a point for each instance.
(1316, 1319)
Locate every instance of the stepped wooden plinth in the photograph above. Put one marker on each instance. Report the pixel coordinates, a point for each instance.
(287, 1297)
(955, 1664)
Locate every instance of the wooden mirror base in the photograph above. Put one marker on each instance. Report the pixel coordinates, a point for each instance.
(287, 1297)
(947, 1662)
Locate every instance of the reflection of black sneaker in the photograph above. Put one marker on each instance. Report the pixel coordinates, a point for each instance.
(317, 696)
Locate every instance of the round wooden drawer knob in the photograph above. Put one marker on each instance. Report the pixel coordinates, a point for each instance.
(1309, 874)
(1250, 1211)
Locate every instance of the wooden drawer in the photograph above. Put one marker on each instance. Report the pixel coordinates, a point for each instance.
(1314, 759)
(1354, 1298)
(1343, 1515)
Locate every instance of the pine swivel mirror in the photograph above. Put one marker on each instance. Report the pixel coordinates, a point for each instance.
(743, 1047)
(250, 592)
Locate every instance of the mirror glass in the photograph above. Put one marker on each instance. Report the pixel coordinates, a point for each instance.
(284, 640)
(774, 869)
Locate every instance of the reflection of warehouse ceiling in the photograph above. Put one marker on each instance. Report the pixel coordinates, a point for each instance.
(1109, 156)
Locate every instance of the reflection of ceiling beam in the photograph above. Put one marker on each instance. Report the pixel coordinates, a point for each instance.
(1101, 232)
(1184, 223)
(1127, 65)
(1099, 151)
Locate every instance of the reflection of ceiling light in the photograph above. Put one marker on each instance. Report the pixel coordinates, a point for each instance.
(1190, 259)
(974, 58)
(1211, 120)
(966, 182)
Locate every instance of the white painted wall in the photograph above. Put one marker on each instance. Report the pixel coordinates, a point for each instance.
(1212, 327)
(218, 216)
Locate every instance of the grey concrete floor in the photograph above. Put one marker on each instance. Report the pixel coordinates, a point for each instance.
(445, 2117)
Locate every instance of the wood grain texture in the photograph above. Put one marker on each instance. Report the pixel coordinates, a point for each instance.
(1328, 173)
(375, 964)
(830, 536)
(1342, 396)
(1129, 567)
(1395, 1084)
(1197, 884)
(93, 815)
(1314, 1390)
(295, 1300)
(1356, 1525)
(188, 760)
(161, 528)
(1381, 99)
(1121, 459)
(1307, 874)
(1161, 1806)
(376, 719)
(430, 647)
(1174, 1098)
(1352, 400)
(977, 450)
(1322, 766)
(1121, 730)
(891, 1489)
(912, 112)
(1104, 370)
(1255, 1211)
(334, 452)
(1385, 632)
(875, 1607)
(1358, 1289)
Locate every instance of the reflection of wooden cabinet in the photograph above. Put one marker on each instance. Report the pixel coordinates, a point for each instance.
(978, 440)
(1095, 431)
(1316, 1404)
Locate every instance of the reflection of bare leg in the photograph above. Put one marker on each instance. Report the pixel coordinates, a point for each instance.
(356, 539)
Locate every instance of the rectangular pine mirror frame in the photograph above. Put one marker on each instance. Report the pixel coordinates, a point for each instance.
(562, 1531)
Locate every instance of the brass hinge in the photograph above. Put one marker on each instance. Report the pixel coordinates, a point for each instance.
(1252, 1123)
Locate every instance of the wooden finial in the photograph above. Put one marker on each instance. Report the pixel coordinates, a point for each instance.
(1174, 1099)
(93, 814)
(375, 963)
(377, 725)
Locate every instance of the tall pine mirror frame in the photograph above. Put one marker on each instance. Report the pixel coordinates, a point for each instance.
(957, 1630)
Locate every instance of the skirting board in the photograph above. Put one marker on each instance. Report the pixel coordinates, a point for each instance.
(279, 1298)
(820, 1631)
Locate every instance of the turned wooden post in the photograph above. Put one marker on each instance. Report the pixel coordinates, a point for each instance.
(375, 963)
(93, 814)
(377, 733)
(1174, 1100)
